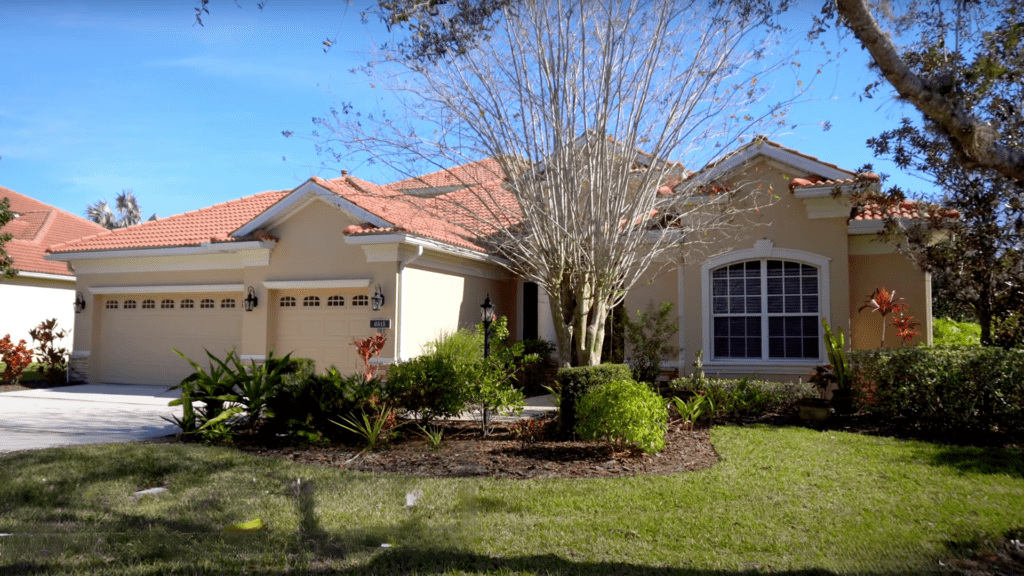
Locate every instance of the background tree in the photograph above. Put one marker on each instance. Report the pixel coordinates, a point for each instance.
(963, 69)
(972, 241)
(588, 108)
(128, 212)
(6, 262)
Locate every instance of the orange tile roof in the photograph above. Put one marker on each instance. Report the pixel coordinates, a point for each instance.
(907, 209)
(38, 226)
(210, 224)
(478, 172)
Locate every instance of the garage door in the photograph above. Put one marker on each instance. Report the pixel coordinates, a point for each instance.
(139, 333)
(320, 324)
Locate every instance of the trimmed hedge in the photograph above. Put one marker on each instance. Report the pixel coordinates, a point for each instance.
(975, 387)
(574, 383)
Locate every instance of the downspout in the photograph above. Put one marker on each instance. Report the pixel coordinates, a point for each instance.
(401, 299)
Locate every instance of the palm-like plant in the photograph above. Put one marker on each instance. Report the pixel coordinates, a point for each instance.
(128, 212)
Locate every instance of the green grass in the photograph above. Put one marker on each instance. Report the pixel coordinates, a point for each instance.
(783, 499)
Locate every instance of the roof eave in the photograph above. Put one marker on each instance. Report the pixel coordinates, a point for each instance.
(191, 250)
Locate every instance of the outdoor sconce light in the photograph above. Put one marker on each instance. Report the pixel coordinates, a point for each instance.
(79, 302)
(377, 300)
(251, 301)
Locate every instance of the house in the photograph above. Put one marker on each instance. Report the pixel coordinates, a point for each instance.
(309, 269)
(42, 289)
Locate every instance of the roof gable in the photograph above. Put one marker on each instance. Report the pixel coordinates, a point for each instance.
(764, 148)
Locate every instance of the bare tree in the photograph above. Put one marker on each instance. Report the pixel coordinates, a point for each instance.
(588, 108)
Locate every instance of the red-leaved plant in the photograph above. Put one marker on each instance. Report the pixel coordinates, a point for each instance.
(885, 303)
(15, 359)
(367, 348)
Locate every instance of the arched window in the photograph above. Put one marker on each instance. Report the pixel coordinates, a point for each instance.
(149, 303)
(227, 303)
(287, 302)
(167, 303)
(112, 305)
(765, 304)
(765, 309)
(188, 303)
(361, 300)
(336, 301)
(129, 304)
(206, 303)
(311, 301)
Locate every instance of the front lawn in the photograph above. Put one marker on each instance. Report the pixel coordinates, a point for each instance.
(781, 499)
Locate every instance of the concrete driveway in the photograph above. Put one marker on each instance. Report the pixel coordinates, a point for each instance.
(84, 414)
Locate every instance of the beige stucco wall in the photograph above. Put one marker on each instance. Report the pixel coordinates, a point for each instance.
(25, 302)
(894, 272)
(439, 301)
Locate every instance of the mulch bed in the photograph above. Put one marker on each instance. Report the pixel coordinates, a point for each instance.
(465, 453)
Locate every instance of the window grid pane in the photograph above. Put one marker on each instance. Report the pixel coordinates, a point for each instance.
(791, 310)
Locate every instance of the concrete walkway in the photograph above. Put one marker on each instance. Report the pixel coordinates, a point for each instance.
(84, 414)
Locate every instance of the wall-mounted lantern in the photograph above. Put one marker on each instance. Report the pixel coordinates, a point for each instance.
(377, 300)
(79, 302)
(251, 301)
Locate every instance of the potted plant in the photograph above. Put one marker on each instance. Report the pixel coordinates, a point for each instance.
(818, 409)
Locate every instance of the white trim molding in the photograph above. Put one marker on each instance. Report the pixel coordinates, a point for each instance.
(763, 250)
(316, 284)
(204, 248)
(298, 199)
(45, 276)
(167, 289)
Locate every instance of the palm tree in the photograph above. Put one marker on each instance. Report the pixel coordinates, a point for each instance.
(128, 212)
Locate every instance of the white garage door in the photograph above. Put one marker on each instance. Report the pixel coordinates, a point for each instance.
(320, 324)
(139, 333)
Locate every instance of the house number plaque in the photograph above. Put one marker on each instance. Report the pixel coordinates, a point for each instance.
(380, 323)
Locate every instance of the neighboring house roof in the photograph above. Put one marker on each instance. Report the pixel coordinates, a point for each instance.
(38, 226)
(211, 224)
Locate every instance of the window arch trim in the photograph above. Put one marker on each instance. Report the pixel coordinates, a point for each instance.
(764, 250)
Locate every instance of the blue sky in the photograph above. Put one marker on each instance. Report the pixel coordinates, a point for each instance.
(97, 97)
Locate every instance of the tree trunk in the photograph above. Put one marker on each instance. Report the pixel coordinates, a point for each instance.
(974, 139)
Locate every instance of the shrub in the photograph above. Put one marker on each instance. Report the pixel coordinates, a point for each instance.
(15, 359)
(946, 332)
(306, 406)
(454, 373)
(743, 397)
(573, 383)
(624, 412)
(648, 338)
(53, 359)
(439, 382)
(959, 387)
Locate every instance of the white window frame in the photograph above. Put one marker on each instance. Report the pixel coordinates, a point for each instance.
(764, 250)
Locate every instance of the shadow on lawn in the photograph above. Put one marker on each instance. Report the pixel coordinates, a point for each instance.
(970, 459)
